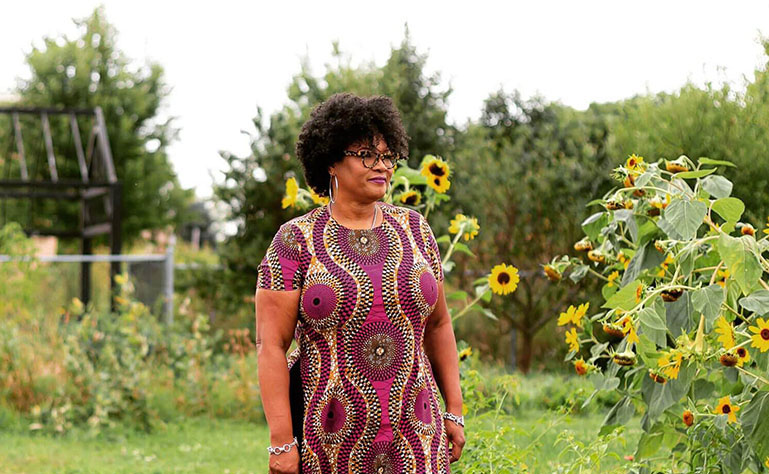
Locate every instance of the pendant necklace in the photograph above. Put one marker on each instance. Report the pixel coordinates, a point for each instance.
(362, 239)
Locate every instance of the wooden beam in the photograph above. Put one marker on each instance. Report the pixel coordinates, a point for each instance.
(49, 147)
(20, 146)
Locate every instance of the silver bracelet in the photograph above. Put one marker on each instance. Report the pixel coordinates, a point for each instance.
(282, 449)
(460, 420)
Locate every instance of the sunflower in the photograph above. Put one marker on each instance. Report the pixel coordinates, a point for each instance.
(552, 273)
(743, 355)
(676, 166)
(635, 163)
(467, 225)
(761, 337)
(725, 407)
(411, 198)
(628, 329)
(317, 199)
(724, 328)
(572, 339)
(688, 417)
(292, 189)
(613, 278)
(639, 291)
(623, 260)
(437, 173)
(664, 265)
(723, 275)
(670, 363)
(465, 353)
(573, 315)
(747, 229)
(503, 279)
(580, 366)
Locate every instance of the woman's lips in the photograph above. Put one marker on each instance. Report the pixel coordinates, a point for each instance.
(378, 180)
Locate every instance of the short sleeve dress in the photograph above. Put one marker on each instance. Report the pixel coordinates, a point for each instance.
(371, 403)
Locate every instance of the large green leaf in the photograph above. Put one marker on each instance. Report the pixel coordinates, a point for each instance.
(738, 254)
(625, 298)
(660, 397)
(758, 302)
(678, 315)
(729, 208)
(620, 413)
(755, 423)
(709, 161)
(653, 325)
(708, 301)
(685, 216)
(643, 259)
(717, 186)
(695, 173)
(593, 224)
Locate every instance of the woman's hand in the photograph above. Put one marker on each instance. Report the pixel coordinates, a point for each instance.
(285, 463)
(456, 437)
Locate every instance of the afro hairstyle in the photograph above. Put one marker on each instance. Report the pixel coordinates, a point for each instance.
(338, 122)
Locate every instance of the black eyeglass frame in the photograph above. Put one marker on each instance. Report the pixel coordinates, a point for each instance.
(366, 153)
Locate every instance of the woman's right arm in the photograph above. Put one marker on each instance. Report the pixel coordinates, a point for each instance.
(276, 317)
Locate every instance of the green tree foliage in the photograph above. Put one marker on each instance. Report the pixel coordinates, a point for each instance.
(524, 171)
(254, 185)
(715, 121)
(91, 71)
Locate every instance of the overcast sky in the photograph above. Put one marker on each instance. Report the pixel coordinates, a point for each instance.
(224, 58)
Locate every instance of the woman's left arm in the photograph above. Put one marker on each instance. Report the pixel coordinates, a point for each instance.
(441, 349)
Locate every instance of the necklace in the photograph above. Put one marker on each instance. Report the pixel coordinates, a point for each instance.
(363, 239)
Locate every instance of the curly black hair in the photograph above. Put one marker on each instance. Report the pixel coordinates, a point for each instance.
(339, 121)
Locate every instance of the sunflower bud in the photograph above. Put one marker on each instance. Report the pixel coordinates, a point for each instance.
(728, 359)
(676, 166)
(552, 274)
(748, 229)
(688, 418)
(671, 295)
(596, 256)
(625, 358)
(614, 330)
(614, 204)
(583, 245)
(657, 377)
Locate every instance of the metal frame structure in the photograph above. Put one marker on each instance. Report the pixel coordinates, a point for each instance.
(97, 180)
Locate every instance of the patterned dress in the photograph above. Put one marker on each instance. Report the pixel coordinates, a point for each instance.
(371, 404)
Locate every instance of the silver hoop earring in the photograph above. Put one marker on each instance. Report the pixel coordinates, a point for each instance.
(330, 194)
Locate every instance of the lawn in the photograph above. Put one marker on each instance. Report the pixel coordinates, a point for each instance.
(222, 446)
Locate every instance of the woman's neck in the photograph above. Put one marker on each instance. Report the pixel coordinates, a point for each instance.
(353, 214)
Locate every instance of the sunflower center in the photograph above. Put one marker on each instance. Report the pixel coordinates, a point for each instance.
(765, 334)
(726, 409)
(411, 199)
(741, 352)
(436, 170)
(503, 278)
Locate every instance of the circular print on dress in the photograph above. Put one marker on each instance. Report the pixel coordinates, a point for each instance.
(333, 417)
(286, 244)
(321, 300)
(378, 350)
(383, 459)
(364, 246)
(424, 288)
(419, 408)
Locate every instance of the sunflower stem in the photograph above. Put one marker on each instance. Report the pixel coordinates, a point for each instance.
(756, 376)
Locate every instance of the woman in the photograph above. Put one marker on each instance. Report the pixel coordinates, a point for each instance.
(359, 283)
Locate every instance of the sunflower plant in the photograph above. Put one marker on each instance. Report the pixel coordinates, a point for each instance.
(424, 189)
(683, 330)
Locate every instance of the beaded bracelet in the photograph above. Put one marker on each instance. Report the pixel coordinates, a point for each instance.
(282, 449)
(460, 420)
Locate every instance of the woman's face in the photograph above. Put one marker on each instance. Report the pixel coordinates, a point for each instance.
(358, 182)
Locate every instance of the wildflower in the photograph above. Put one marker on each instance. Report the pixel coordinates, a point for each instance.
(725, 407)
(613, 278)
(614, 330)
(467, 225)
(616, 204)
(437, 173)
(317, 199)
(465, 353)
(580, 366)
(676, 166)
(671, 295)
(670, 363)
(572, 339)
(664, 265)
(292, 189)
(503, 279)
(760, 339)
(573, 315)
(657, 377)
(639, 291)
(724, 328)
(596, 256)
(411, 198)
(552, 273)
(688, 418)
(744, 356)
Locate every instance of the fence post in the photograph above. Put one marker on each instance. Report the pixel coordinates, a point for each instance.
(169, 280)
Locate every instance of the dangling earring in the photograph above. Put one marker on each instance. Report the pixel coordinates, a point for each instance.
(336, 181)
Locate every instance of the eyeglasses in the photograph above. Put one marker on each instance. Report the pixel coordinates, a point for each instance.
(370, 158)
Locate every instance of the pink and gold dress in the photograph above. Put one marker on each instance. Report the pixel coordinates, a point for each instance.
(371, 404)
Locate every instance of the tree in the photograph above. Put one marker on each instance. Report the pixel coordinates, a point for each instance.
(91, 71)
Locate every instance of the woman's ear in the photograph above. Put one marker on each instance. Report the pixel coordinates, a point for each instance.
(331, 170)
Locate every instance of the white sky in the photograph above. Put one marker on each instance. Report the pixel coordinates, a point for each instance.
(224, 58)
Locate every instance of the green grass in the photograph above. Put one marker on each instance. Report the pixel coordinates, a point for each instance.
(204, 445)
